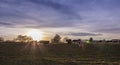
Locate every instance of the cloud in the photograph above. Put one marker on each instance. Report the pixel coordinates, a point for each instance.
(85, 34)
(109, 30)
(4, 24)
(44, 13)
(89, 16)
(56, 6)
(51, 13)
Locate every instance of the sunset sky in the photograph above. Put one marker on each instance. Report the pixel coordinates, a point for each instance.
(99, 19)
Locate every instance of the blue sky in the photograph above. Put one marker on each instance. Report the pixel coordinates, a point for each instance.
(72, 18)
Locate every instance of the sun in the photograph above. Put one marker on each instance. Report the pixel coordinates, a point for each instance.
(35, 34)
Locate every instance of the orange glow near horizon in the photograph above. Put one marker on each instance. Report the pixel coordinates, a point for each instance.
(35, 34)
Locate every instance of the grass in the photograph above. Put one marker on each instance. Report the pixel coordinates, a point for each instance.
(59, 54)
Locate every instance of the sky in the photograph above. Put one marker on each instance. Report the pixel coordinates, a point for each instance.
(99, 19)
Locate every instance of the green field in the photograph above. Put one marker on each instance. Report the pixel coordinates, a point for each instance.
(59, 54)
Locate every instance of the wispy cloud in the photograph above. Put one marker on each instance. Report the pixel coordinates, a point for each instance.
(44, 13)
(85, 34)
(4, 23)
(109, 30)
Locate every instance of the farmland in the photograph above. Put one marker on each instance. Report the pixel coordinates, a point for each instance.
(59, 54)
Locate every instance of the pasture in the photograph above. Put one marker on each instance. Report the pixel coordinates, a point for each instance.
(59, 54)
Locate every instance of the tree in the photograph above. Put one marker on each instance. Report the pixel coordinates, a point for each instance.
(91, 39)
(1, 39)
(21, 38)
(56, 39)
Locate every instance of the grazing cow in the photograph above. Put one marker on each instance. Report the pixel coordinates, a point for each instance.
(69, 41)
(75, 41)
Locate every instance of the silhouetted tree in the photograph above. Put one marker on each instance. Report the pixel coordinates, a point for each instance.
(21, 38)
(56, 39)
(91, 39)
(1, 39)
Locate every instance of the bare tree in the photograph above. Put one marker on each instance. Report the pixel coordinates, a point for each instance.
(56, 39)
